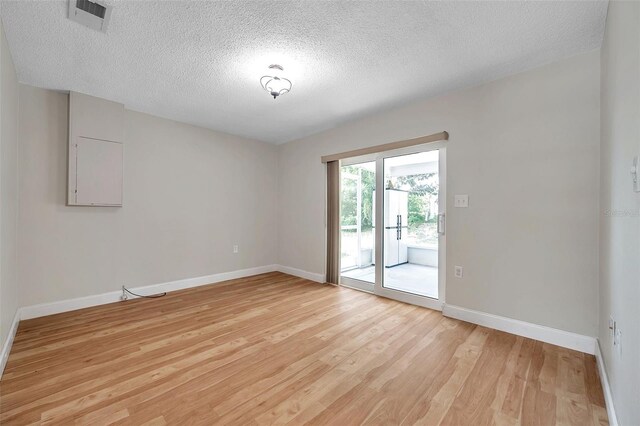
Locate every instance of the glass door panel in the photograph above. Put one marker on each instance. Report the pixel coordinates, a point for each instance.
(411, 212)
(357, 234)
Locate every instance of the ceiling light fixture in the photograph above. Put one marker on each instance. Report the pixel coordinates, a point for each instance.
(275, 85)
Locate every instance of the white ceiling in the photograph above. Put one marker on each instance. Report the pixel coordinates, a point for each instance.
(200, 62)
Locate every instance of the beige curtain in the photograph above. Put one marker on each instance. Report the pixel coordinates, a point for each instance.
(333, 222)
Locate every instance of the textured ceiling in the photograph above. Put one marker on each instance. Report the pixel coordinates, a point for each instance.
(200, 62)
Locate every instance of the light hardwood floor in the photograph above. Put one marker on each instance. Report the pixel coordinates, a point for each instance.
(279, 349)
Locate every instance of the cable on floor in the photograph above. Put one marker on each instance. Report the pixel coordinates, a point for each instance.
(151, 296)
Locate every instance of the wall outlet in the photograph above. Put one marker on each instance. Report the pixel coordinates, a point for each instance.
(617, 341)
(461, 201)
(635, 173)
(616, 335)
(612, 325)
(235, 248)
(458, 271)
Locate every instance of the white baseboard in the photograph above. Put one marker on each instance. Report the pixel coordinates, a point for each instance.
(51, 308)
(606, 389)
(45, 309)
(545, 334)
(302, 274)
(6, 347)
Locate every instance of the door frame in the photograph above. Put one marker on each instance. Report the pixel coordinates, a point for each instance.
(378, 288)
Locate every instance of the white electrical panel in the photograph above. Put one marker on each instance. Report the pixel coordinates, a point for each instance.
(98, 168)
(96, 151)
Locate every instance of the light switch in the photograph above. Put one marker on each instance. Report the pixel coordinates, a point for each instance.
(461, 201)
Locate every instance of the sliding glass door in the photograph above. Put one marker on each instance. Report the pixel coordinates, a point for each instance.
(401, 254)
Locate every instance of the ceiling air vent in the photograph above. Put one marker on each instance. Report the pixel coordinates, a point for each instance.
(92, 14)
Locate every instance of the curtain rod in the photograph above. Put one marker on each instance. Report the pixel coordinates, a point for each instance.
(442, 136)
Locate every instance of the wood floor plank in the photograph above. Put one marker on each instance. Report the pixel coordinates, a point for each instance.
(473, 404)
(432, 411)
(276, 349)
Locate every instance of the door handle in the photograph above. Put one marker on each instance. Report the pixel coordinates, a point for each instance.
(441, 224)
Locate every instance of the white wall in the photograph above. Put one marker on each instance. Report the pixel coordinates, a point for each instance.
(8, 188)
(620, 207)
(525, 149)
(190, 194)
